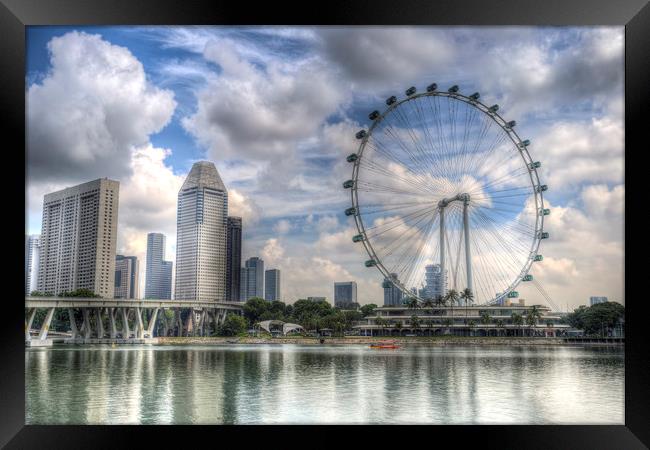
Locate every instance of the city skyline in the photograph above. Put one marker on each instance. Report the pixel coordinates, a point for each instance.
(293, 213)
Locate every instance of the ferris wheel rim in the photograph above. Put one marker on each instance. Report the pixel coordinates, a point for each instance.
(514, 138)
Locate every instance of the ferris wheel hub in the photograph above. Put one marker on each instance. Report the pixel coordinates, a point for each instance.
(465, 198)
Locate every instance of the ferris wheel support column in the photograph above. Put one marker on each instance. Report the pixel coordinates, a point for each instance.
(468, 256)
(442, 249)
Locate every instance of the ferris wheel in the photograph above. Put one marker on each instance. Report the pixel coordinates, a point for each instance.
(445, 195)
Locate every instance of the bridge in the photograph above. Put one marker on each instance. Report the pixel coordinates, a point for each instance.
(114, 320)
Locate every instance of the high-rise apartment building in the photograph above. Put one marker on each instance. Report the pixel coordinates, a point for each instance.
(78, 238)
(392, 294)
(158, 276)
(127, 280)
(252, 279)
(32, 255)
(345, 293)
(233, 259)
(436, 281)
(595, 300)
(201, 228)
(272, 285)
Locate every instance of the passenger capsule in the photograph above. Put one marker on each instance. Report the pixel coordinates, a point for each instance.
(351, 211)
(546, 212)
(390, 100)
(525, 143)
(527, 278)
(513, 294)
(511, 124)
(493, 108)
(453, 89)
(357, 238)
(475, 96)
(432, 87)
(542, 188)
(373, 115)
(538, 258)
(543, 235)
(410, 91)
(371, 263)
(361, 134)
(352, 158)
(348, 184)
(535, 165)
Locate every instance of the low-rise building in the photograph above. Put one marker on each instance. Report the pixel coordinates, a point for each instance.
(461, 321)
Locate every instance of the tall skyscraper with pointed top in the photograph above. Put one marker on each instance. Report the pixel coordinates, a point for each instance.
(201, 228)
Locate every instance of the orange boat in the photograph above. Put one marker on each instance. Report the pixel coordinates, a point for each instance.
(385, 344)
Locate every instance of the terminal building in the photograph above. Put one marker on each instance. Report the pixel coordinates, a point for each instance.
(461, 321)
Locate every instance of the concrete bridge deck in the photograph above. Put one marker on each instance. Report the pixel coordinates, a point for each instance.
(138, 319)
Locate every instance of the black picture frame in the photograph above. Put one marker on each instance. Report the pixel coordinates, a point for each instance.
(16, 14)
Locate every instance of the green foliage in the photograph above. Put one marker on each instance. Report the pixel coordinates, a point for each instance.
(366, 310)
(83, 293)
(597, 319)
(232, 325)
(41, 294)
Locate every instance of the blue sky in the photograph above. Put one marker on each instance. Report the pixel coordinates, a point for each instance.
(276, 108)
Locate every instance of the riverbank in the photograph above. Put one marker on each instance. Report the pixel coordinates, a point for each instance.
(366, 340)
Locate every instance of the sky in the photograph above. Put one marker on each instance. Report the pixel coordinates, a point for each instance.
(276, 110)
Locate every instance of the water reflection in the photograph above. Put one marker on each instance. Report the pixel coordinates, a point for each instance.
(325, 384)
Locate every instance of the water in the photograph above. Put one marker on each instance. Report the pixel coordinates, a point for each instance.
(246, 384)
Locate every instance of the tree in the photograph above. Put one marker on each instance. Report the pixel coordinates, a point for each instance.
(382, 322)
(485, 320)
(500, 324)
(233, 325)
(414, 321)
(517, 319)
(467, 296)
(452, 297)
(532, 317)
(471, 325)
(254, 308)
(366, 310)
(412, 303)
(83, 293)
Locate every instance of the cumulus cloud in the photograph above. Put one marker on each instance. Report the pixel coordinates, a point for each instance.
(94, 105)
(260, 113)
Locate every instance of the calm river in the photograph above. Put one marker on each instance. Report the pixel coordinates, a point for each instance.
(292, 384)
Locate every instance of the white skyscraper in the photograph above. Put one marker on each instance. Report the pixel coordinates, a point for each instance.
(32, 254)
(201, 228)
(78, 239)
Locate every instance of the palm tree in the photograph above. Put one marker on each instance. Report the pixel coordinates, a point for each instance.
(467, 296)
(471, 325)
(485, 320)
(500, 324)
(531, 318)
(440, 300)
(414, 321)
(382, 322)
(412, 303)
(451, 297)
(517, 319)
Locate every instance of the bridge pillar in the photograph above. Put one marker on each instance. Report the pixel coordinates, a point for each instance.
(125, 323)
(45, 327)
(73, 324)
(100, 323)
(139, 327)
(202, 322)
(28, 323)
(152, 322)
(86, 325)
(111, 323)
